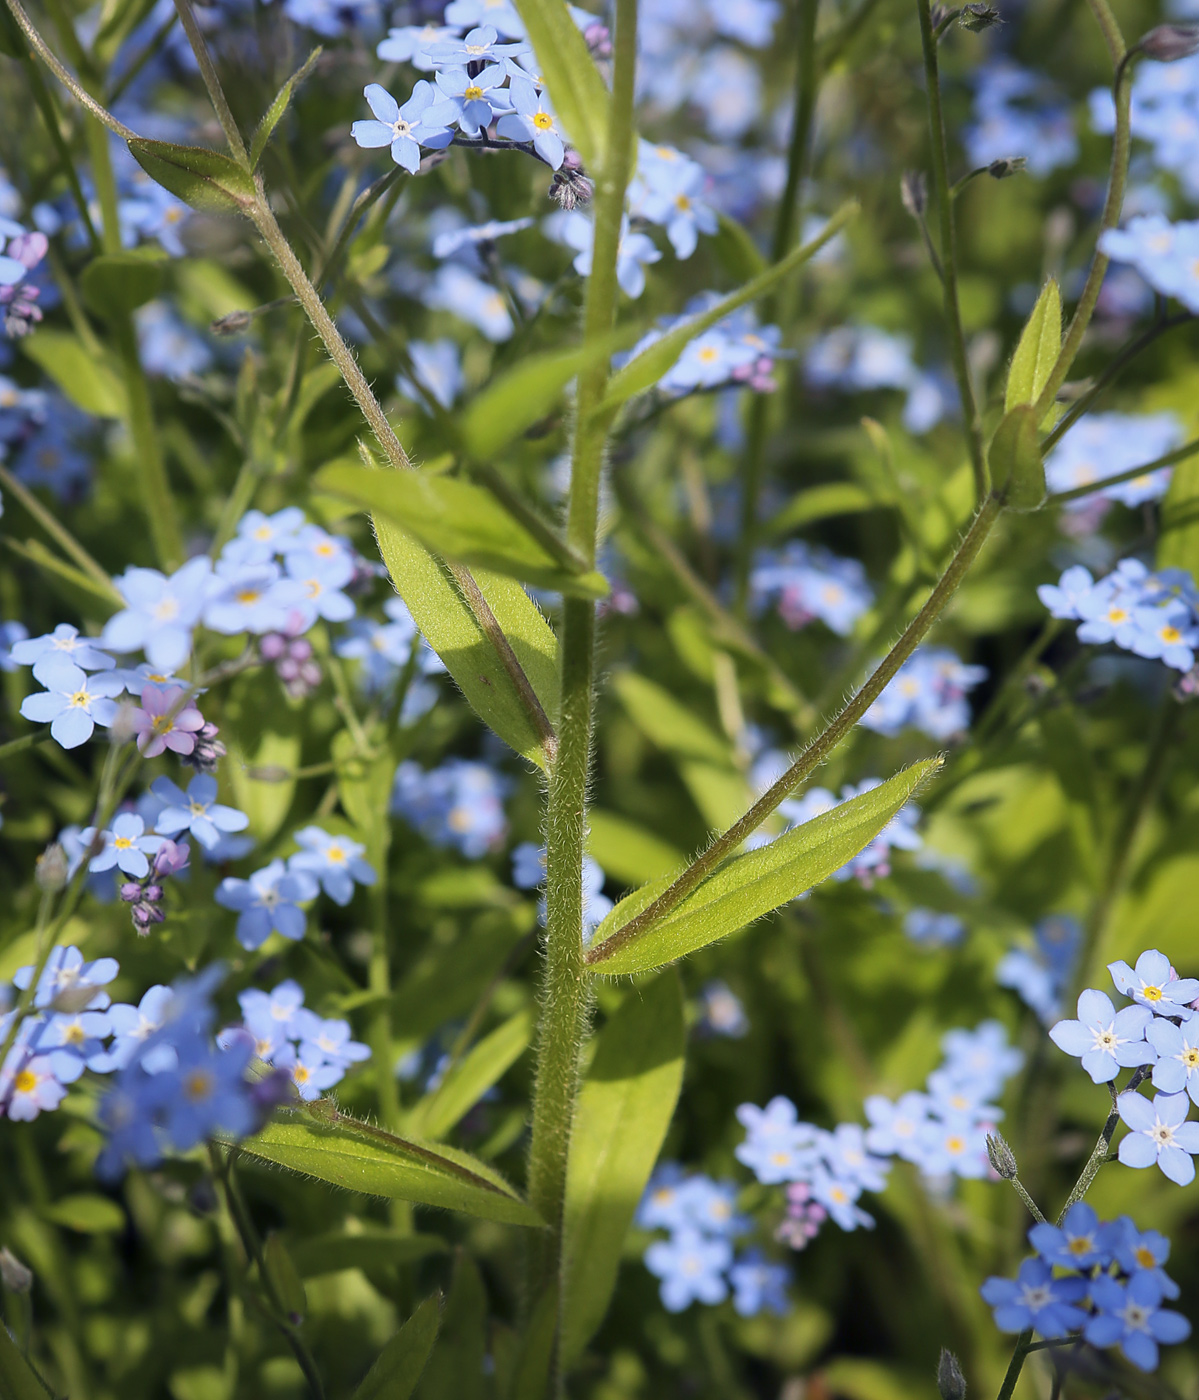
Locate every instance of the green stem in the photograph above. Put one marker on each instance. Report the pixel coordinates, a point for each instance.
(565, 998)
(1033, 1209)
(187, 17)
(157, 500)
(1180, 454)
(820, 747)
(1121, 144)
(1015, 1365)
(949, 260)
(60, 534)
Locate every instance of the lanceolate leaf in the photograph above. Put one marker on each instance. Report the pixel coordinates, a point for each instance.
(1037, 350)
(623, 1113)
(372, 1249)
(274, 113)
(1017, 471)
(362, 1158)
(1178, 539)
(644, 372)
(576, 89)
(89, 384)
(399, 1365)
(454, 633)
(457, 521)
(750, 885)
(18, 1380)
(471, 1077)
(819, 502)
(199, 177)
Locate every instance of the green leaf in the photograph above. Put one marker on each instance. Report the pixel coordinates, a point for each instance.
(517, 399)
(736, 250)
(274, 113)
(819, 502)
(202, 178)
(1037, 349)
(362, 1158)
(88, 1214)
(471, 1077)
(627, 851)
(576, 89)
(646, 369)
(264, 738)
(89, 384)
(115, 284)
(399, 1365)
(455, 1370)
(1017, 472)
(1178, 537)
(624, 1110)
(18, 1380)
(452, 630)
(284, 1277)
(670, 725)
(750, 885)
(372, 1250)
(458, 521)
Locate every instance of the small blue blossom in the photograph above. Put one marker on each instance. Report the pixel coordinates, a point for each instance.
(806, 583)
(196, 811)
(1104, 1039)
(759, 1286)
(1165, 254)
(1015, 115)
(1106, 444)
(322, 578)
(928, 693)
(251, 597)
(896, 1129)
(437, 368)
(160, 613)
(1155, 984)
(132, 1026)
(1136, 1251)
(411, 44)
(455, 289)
(1177, 1049)
(691, 1267)
(73, 702)
(1035, 1299)
(1130, 1315)
(335, 861)
(268, 902)
(1080, 1242)
(533, 119)
(424, 120)
(480, 45)
(459, 804)
(476, 98)
(126, 846)
(260, 537)
(664, 1205)
(63, 641)
(721, 1012)
(634, 251)
(68, 982)
(932, 929)
(1159, 1134)
(11, 634)
(1040, 975)
(167, 345)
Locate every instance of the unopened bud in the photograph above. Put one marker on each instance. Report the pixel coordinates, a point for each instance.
(938, 14)
(52, 869)
(1010, 165)
(232, 324)
(913, 190)
(1170, 42)
(978, 17)
(950, 1381)
(1001, 1157)
(13, 1274)
(570, 188)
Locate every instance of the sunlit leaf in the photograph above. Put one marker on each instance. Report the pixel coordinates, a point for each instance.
(466, 1083)
(88, 383)
(274, 113)
(202, 178)
(1036, 350)
(399, 1365)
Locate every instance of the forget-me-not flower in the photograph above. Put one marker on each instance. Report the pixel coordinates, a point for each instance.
(1131, 1316)
(1034, 1298)
(1079, 1242)
(1104, 1039)
(691, 1267)
(335, 861)
(63, 641)
(534, 119)
(126, 846)
(1155, 984)
(1136, 1250)
(1177, 1055)
(268, 902)
(161, 612)
(73, 702)
(758, 1285)
(1160, 1133)
(424, 120)
(196, 810)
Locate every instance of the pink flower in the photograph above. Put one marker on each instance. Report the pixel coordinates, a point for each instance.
(166, 721)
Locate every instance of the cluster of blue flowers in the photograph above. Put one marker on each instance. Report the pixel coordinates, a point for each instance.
(805, 583)
(927, 693)
(1155, 615)
(1161, 1029)
(1165, 254)
(859, 359)
(696, 1263)
(1165, 113)
(1111, 1291)
(316, 1053)
(735, 351)
(459, 804)
(1017, 114)
(1041, 974)
(942, 1130)
(1106, 444)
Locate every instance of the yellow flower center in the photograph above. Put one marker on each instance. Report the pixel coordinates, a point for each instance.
(300, 1074)
(81, 699)
(543, 121)
(335, 855)
(955, 1144)
(1145, 1258)
(249, 595)
(708, 354)
(122, 843)
(472, 93)
(1080, 1244)
(163, 724)
(198, 1084)
(1151, 993)
(1170, 634)
(1190, 1058)
(26, 1081)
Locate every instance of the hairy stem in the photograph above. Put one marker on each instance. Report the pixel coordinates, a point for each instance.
(949, 260)
(216, 93)
(822, 745)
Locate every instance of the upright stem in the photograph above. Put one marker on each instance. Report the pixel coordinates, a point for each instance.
(785, 225)
(949, 257)
(564, 995)
(208, 72)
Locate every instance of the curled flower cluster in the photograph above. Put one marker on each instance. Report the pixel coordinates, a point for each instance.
(696, 1262)
(927, 693)
(1160, 1029)
(1154, 615)
(942, 1130)
(1102, 1280)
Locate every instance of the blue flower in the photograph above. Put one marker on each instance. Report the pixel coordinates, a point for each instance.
(329, 1041)
(1015, 115)
(63, 641)
(1155, 984)
(423, 120)
(455, 289)
(437, 368)
(132, 1026)
(931, 928)
(1137, 1251)
(1106, 444)
(476, 98)
(259, 537)
(668, 190)
(321, 578)
(411, 43)
(268, 902)
(1130, 1315)
(161, 612)
(29, 1085)
(1103, 1039)
(1165, 254)
(633, 253)
(54, 455)
(897, 1128)
(310, 1072)
(839, 1196)
(251, 597)
(77, 1033)
(500, 14)
(981, 1056)
(846, 1152)
(1034, 1298)
(1160, 1133)
(272, 1018)
(927, 693)
(1178, 1055)
(721, 1011)
(125, 846)
(533, 119)
(453, 240)
(196, 810)
(69, 983)
(807, 583)
(10, 634)
(478, 46)
(777, 1147)
(759, 1286)
(166, 344)
(1063, 598)
(458, 804)
(664, 1204)
(73, 703)
(1080, 1242)
(335, 861)
(691, 1267)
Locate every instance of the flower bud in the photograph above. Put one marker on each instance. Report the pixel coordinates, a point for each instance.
(52, 869)
(13, 1274)
(978, 17)
(1001, 1157)
(950, 1381)
(231, 324)
(913, 190)
(1010, 165)
(1170, 42)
